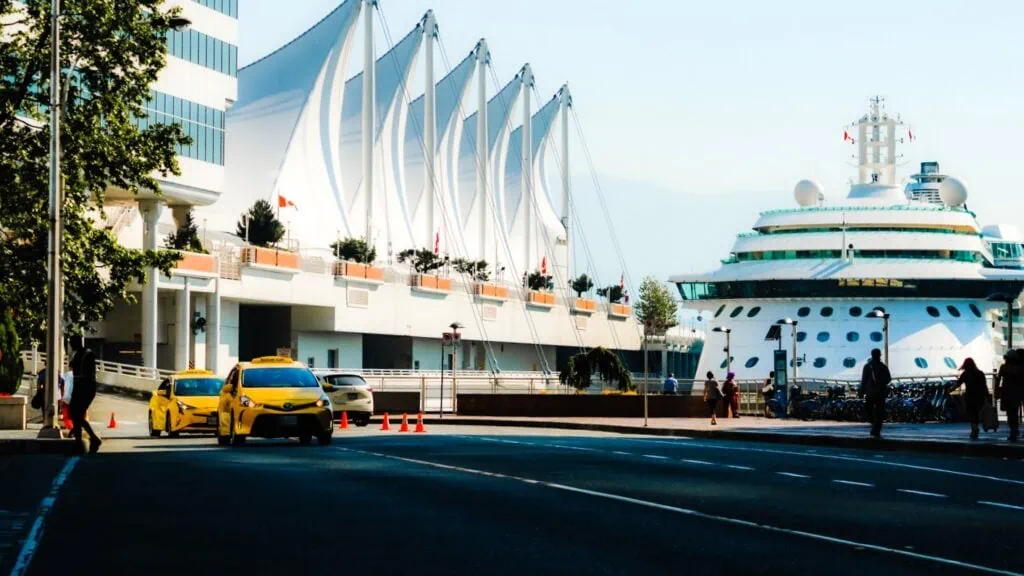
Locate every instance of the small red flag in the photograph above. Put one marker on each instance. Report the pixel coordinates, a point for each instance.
(910, 133)
(283, 202)
(846, 135)
(437, 243)
(544, 265)
(622, 281)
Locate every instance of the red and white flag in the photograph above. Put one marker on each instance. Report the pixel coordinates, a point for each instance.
(544, 265)
(283, 202)
(622, 281)
(437, 243)
(910, 133)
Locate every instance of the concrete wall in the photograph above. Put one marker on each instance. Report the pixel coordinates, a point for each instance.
(316, 345)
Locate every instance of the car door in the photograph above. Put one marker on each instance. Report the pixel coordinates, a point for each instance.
(225, 401)
(160, 403)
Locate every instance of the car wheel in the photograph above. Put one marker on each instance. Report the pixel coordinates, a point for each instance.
(152, 432)
(167, 426)
(363, 422)
(324, 438)
(236, 438)
(305, 439)
(221, 440)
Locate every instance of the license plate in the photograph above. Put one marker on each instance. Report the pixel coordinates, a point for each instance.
(353, 396)
(287, 420)
(211, 420)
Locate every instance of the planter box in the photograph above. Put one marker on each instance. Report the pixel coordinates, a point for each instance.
(542, 299)
(359, 272)
(195, 264)
(584, 305)
(620, 311)
(270, 258)
(12, 412)
(491, 292)
(430, 283)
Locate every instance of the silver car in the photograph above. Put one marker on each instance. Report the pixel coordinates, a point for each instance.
(349, 393)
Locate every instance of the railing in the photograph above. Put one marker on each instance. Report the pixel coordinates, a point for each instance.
(37, 361)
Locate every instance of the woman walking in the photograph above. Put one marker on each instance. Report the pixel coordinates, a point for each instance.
(768, 392)
(711, 396)
(731, 391)
(976, 395)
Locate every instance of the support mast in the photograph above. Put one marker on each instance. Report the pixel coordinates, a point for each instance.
(483, 57)
(429, 123)
(369, 109)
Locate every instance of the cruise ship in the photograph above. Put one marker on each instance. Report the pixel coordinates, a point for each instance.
(825, 279)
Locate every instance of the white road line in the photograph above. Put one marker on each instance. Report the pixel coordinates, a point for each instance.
(1000, 505)
(655, 456)
(701, 515)
(579, 448)
(852, 483)
(920, 493)
(738, 467)
(701, 462)
(621, 453)
(35, 535)
(792, 475)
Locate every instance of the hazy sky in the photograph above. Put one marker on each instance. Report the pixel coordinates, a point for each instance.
(700, 114)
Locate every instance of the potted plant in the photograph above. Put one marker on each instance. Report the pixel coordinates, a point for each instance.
(12, 408)
(425, 263)
(194, 257)
(615, 294)
(355, 259)
(479, 272)
(261, 230)
(582, 284)
(541, 286)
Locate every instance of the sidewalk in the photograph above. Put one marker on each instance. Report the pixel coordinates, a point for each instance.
(943, 438)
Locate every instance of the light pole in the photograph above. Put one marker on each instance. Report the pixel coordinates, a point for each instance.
(885, 329)
(728, 346)
(455, 326)
(792, 323)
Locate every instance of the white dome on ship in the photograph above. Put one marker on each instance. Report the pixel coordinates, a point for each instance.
(808, 193)
(953, 192)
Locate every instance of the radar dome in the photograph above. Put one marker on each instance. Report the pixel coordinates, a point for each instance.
(808, 193)
(953, 192)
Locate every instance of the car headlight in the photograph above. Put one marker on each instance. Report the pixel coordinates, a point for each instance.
(323, 402)
(182, 406)
(247, 402)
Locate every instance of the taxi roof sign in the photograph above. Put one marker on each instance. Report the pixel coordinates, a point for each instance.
(194, 372)
(272, 360)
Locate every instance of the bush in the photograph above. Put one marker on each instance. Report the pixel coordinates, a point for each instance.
(264, 227)
(423, 261)
(10, 354)
(540, 282)
(187, 237)
(582, 284)
(354, 250)
(613, 293)
(477, 270)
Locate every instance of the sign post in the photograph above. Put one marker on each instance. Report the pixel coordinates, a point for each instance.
(781, 380)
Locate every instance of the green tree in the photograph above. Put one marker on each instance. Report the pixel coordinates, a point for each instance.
(475, 269)
(111, 53)
(10, 353)
(423, 261)
(540, 282)
(186, 237)
(264, 227)
(600, 361)
(582, 284)
(656, 308)
(354, 250)
(613, 293)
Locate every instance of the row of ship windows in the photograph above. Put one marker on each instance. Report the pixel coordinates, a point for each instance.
(855, 311)
(848, 362)
(957, 255)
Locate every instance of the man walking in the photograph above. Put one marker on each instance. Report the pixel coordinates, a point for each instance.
(1009, 388)
(874, 388)
(670, 385)
(83, 365)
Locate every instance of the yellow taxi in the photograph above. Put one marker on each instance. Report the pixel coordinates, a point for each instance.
(185, 402)
(273, 397)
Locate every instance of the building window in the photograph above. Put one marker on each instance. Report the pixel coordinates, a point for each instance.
(226, 7)
(204, 125)
(953, 311)
(933, 311)
(753, 311)
(720, 310)
(849, 362)
(801, 336)
(803, 312)
(856, 311)
(736, 312)
(820, 362)
(975, 310)
(876, 336)
(949, 362)
(823, 336)
(203, 50)
(311, 362)
(332, 358)
(921, 362)
(750, 363)
(852, 336)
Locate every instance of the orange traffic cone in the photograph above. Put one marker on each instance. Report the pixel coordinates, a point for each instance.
(113, 422)
(385, 426)
(65, 417)
(405, 423)
(344, 421)
(419, 423)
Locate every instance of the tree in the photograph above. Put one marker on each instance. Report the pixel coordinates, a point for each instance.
(423, 261)
(186, 237)
(354, 250)
(601, 361)
(264, 227)
(10, 354)
(613, 293)
(582, 284)
(475, 269)
(656, 308)
(111, 53)
(540, 282)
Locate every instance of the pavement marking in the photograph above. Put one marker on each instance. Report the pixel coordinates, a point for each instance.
(621, 453)
(655, 456)
(738, 467)
(792, 474)
(35, 535)
(852, 483)
(920, 493)
(696, 514)
(701, 462)
(579, 448)
(1000, 505)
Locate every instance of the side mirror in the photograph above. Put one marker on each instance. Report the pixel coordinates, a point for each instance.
(165, 393)
(328, 387)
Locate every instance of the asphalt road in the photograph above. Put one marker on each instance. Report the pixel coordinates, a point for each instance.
(506, 501)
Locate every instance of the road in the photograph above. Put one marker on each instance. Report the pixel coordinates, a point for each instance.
(514, 501)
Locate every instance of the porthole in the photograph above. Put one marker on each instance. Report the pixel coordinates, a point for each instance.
(799, 362)
(736, 312)
(753, 311)
(932, 311)
(953, 311)
(826, 311)
(975, 310)
(720, 310)
(876, 336)
(820, 362)
(849, 362)
(750, 363)
(801, 336)
(726, 363)
(949, 362)
(852, 336)
(878, 309)
(921, 362)
(823, 336)
(856, 311)
(803, 312)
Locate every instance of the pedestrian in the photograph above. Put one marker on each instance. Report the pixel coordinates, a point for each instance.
(731, 391)
(1010, 390)
(83, 366)
(874, 388)
(711, 396)
(976, 395)
(768, 392)
(670, 385)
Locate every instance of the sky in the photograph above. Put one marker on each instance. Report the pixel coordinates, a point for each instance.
(701, 114)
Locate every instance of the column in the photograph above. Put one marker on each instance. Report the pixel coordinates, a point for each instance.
(213, 329)
(151, 211)
(183, 327)
(429, 124)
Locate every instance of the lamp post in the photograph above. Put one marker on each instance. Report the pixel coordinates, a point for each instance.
(885, 328)
(728, 345)
(792, 323)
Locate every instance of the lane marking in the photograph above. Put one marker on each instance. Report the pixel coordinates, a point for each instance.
(35, 535)
(1000, 505)
(920, 493)
(701, 462)
(852, 483)
(792, 475)
(579, 448)
(738, 467)
(655, 456)
(696, 514)
(621, 453)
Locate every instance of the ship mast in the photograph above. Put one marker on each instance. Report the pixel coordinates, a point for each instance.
(876, 141)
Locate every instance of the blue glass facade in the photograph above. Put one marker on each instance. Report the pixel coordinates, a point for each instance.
(206, 51)
(227, 7)
(203, 124)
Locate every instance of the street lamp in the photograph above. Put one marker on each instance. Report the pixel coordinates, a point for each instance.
(449, 339)
(1009, 301)
(876, 313)
(728, 346)
(793, 323)
(179, 22)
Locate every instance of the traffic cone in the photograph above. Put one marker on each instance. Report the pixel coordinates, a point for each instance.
(386, 425)
(419, 423)
(405, 423)
(65, 417)
(113, 422)
(344, 421)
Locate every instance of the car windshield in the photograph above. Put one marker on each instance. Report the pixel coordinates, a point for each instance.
(198, 386)
(290, 377)
(344, 380)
